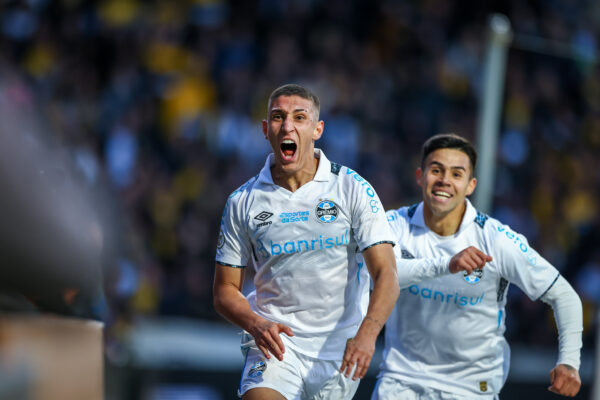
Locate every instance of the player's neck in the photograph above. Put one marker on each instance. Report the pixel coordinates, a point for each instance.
(293, 180)
(446, 224)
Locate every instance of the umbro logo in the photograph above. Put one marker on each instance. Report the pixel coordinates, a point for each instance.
(263, 216)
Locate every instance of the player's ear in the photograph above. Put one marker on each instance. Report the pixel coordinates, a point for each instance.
(318, 132)
(419, 176)
(471, 186)
(265, 129)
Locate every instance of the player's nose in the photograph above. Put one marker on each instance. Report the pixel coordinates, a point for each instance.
(288, 124)
(443, 178)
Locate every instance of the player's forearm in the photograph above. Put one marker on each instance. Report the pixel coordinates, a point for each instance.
(381, 302)
(233, 306)
(415, 270)
(569, 321)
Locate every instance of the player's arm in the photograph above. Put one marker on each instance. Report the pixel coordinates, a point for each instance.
(382, 268)
(565, 303)
(520, 264)
(232, 305)
(416, 270)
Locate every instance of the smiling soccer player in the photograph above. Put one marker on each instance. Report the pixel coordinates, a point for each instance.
(445, 337)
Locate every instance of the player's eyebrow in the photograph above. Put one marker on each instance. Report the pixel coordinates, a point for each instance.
(294, 111)
(439, 164)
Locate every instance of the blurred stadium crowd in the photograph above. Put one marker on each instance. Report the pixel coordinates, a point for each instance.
(161, 102)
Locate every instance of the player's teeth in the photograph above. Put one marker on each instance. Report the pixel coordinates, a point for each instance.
(288, 141)
(441, 194)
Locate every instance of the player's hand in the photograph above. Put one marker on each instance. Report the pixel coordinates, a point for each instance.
(468, 260)
(266, 337)
(564, 380)
(359, 352)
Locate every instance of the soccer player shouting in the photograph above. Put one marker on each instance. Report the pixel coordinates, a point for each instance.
(445, 337)
(310, 326)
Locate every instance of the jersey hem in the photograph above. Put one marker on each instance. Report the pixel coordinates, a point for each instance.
(380, 242)
(230, 265)
(433, 384)
(261, 385)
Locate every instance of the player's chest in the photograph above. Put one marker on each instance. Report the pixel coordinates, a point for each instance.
(309, 215)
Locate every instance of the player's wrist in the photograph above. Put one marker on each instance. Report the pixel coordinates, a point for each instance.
(254, 323)
(568, 364)
(370, 327)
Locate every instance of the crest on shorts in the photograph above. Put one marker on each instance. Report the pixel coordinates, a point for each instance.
(474, 277)
(483, 386)
(326, 211)
(258, 368)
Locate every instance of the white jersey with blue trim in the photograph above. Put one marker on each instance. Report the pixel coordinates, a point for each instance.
(302, 245)
(448, 332)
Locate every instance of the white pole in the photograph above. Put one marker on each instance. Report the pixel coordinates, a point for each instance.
(596, 384)
(500, 36)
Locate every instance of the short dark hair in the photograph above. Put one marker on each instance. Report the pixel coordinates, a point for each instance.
(292, 89)
(449, 141)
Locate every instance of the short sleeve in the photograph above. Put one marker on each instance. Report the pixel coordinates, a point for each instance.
(519, 263)
(396, 224)
(233, 247)
(369, 222)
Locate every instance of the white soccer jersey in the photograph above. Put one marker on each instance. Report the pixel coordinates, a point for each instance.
(302, 245)
(447, 332)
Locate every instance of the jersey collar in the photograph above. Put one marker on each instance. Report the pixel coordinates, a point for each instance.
(322, 175)
(324, 168)
(418, 218)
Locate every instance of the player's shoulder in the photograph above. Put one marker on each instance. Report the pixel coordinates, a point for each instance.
(346, 174)
(486, 223)
(509, 242)
(401, 215)
(492, 225)
(352, 180)
(503, 236)
(243, 191)
(482, 220)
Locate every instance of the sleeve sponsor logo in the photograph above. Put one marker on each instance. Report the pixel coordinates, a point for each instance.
(516, 240)
(326, 211)
(374, 206)
(373, 203)
(369, 189)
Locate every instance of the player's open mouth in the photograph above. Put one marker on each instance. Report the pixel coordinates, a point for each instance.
(288, 149)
